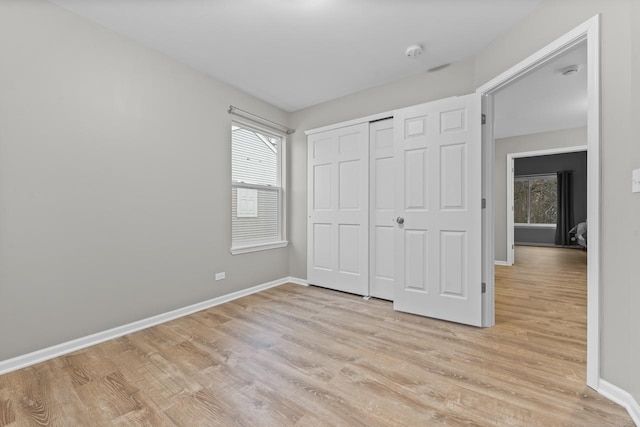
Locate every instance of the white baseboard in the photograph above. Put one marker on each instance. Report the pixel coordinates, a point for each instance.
(622, 398)
(297, 281)
(496, 262)
(38, 356)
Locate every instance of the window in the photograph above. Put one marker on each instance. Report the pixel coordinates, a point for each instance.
(256, 189)
(535, 200)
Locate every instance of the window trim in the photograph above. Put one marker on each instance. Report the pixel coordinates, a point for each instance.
(237, 250)
(533, 224)
(526, 225)
(281, 241)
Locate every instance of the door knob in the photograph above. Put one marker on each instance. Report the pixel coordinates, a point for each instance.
(400, 220)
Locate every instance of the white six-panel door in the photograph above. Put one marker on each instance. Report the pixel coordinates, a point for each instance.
(338, 209)
(438, 232)
(382, 209)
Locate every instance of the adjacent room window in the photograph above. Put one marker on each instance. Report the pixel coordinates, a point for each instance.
(535, 200)
(256, 189)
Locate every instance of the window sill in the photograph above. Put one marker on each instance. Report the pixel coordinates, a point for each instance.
(258, 247)
(535, 225)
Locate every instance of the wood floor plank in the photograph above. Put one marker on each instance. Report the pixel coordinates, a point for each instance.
(307, 356)
(7, 414)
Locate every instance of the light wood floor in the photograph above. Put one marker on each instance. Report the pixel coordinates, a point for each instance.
(312, 357)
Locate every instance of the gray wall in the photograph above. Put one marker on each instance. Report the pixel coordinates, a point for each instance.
(115, 188)
(524, 235)
(620, 343)
(575, 162)
(631, 269)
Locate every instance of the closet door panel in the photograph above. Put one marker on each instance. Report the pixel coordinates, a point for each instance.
(338, 209)
(382, 189)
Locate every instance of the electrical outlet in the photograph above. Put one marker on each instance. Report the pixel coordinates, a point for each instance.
(220, 276)
(635, 181)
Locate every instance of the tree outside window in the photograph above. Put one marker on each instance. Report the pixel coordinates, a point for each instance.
(535, 200)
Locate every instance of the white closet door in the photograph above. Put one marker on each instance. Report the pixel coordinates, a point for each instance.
(382, 209)
(438, 205)
(338, 209)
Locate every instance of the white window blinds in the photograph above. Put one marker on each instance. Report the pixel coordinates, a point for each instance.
(256, 207)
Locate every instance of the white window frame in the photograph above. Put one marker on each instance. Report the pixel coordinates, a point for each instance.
(529, 224)
(281, 241)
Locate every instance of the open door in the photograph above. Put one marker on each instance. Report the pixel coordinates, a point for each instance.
(438, 207)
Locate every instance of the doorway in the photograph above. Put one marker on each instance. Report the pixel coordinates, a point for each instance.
(587, 33)
(523, 226)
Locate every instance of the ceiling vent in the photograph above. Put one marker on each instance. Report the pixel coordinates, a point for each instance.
(438, 68)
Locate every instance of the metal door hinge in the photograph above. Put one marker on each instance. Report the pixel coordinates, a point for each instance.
(484, 119)
(484, 288)
(484, 203)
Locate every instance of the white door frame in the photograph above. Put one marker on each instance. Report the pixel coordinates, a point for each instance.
(589, 32)
(510, 178)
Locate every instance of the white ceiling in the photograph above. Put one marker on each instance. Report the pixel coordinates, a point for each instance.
(297, 53)
(544, 100)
